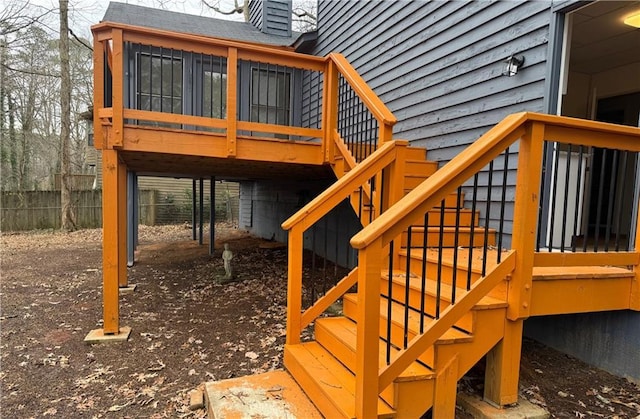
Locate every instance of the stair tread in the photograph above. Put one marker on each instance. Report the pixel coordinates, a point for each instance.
(486, 302)
(450, 229)
(463, 257)
(397, 314)
(345, 330)
(333, 378)
(580, 272)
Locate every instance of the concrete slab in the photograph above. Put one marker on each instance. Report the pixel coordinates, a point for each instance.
(98, 336)
(270, 395)
(128, 289)
(480, 409)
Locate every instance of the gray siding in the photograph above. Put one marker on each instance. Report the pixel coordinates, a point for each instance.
(438, 67)
(272, 17)
(610, 341)
(439, 70)
(264, 205)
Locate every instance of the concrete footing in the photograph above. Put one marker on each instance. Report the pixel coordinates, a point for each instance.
(128, 289)
(98, 336)
(479, 409)
(270, 395)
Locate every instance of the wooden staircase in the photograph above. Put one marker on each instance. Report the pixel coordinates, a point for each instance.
(446, 282)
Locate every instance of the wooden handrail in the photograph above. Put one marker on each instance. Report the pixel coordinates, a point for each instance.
(479, 154)
(366, 94)
(343, 187)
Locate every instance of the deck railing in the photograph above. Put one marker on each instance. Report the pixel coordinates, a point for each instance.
(479, 160)
(228, 89)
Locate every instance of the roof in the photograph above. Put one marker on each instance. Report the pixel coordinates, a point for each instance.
(148, 17)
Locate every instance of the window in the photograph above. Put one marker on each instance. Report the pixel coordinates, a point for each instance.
(270, 96)
(159, 86)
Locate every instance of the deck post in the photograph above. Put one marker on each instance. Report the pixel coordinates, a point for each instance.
(634, 302)
(232, 101)
(114, 206)
(367, 340)
(212, 214)
(294, 285)
(503, 366)
(193, 208)
(117, 68)
(329, 110)
(201, 212)
(503, 361)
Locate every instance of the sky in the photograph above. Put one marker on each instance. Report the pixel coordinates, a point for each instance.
(84, 13)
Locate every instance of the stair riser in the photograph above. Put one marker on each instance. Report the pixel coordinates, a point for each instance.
(450, 201)
(448, 239)
(465, 220)
(397, 332)
(499, 291)
(310, 386)
(420, 168)
(398, 293)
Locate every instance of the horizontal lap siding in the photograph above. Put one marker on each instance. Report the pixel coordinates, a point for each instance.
(438, 67)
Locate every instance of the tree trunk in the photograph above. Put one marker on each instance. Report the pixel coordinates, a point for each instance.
(68, 216)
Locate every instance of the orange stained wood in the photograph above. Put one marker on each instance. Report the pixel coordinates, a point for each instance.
(525, 219)
(330, 110)
(112, 201)
(329, 298)
(503, 366)
(634, 298)
(118, 90)
(559, 259)
(232, 102)
(123, 280)
(444, 398)
(294, 285)
(98, 92)
(449, 317)
(367, 388)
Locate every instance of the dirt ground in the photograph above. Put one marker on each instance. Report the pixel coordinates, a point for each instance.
(188, 329)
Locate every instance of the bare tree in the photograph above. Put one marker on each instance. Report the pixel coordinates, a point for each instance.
(68, 216)
(241, 7)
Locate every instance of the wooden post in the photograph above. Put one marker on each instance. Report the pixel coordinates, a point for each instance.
(503, 362)
(294, 285)
(394, 188)
(98, 92)
(525, 219)
(118, 89)
(368, 320)
(232, 101)
(113, 209)
(329, 110)
(123, 281)
(212, 214)
(385, 132)
(503, 366)
(445, 390)
(634, 302)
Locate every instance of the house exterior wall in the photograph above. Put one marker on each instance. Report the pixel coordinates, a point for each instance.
(438, 67)
(271, 16)
(265, 205)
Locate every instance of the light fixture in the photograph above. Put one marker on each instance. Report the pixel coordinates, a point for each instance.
(633, 20)
(513, 64)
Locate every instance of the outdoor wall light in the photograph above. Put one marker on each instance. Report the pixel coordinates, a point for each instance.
(633, 20)
(513, 64)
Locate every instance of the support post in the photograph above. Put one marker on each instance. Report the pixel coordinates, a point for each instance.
(130, 218)
(329, 110)
(212, 214)
(123, 281)
(117, 70)
(136, 211)
(232, 101)
(193, 208)
(201, 213)
(503, 366)
(98, 91)
(294, 285)
(113, 208)
(367, 340)
(445, 390)
(503, 361)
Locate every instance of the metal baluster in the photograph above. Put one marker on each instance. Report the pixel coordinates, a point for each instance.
(389, 302)
(487, 219)
(623, 157)
(577, 201)
(407, 283)
(439, 274)
(423, 279)
(566, 199)
(472, 232)
(554, 194)
(503, 202)
(599, 201)
(612, 194)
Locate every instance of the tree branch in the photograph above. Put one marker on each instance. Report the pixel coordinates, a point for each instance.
(237, 9)
(79, 40)
(32, 72)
